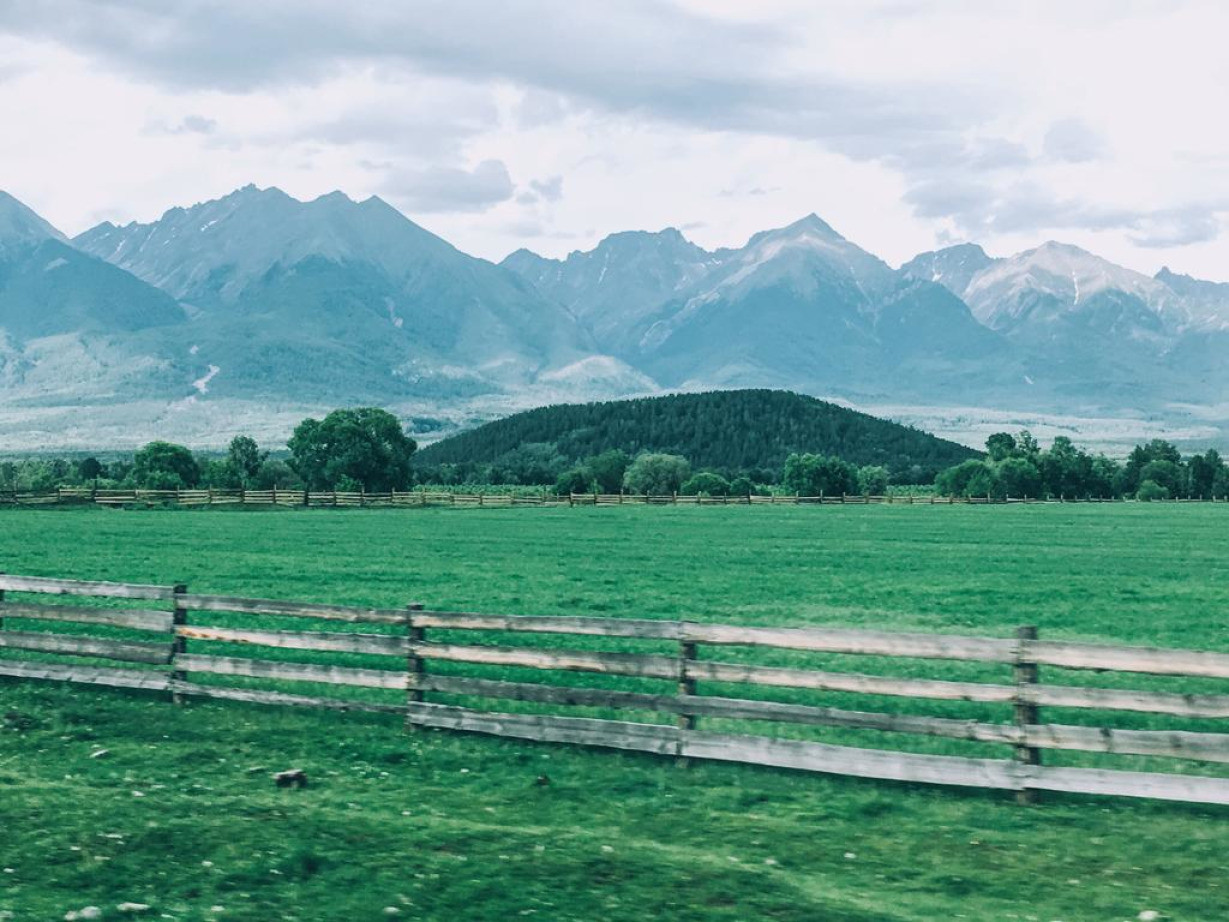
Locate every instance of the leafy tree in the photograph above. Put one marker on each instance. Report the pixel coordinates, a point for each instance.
(1202, 471)
(1141, 455)
(574, 480)
(705, 483)
(244, 458)
(818, 475)
(274, 473)
(1019, 477)
(1220, 486)
(873, 480)
(165, 466)
(656, 474)
(366, 445)
(1167, 474)
(956, 481)
(91, 469)
(985, 482)
(741, 486)
(608, 468)
(1001, 446)
(1150, 490)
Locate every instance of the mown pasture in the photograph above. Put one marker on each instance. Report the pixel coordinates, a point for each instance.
(439, 825)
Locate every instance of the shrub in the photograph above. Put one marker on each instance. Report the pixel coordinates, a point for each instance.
(574, 480)
(1150, 490)
(705, 483)
(656, 474)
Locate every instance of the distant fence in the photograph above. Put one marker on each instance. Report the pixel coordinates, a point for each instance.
(419, 498)
(240, 649)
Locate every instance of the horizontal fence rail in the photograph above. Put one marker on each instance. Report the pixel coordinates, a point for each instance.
(273, 651)
(409, 499)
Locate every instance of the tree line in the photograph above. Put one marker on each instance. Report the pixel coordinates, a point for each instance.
(1015, 465)
(366, 448)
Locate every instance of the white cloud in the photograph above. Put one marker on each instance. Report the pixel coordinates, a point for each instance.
(902, 123)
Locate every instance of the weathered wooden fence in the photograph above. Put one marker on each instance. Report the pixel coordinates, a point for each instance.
(66, 496)
(187, 644)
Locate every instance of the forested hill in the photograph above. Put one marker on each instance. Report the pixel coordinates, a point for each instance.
(721, 430)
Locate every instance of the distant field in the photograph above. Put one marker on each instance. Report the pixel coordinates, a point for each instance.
(454, 827)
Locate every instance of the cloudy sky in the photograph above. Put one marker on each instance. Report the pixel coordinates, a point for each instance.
(904, 124)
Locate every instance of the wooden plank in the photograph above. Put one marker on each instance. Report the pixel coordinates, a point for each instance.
(850, 682)
(294, 609)
(1153, 660)
(72, 645)
(1186, 788)
(870, 643)
(1175, 744)
(628, 664)
(264, 696)
(300, 640)
(139, 619)
(551, 624)
(613, 734)
(83, 587)
(545, 694)
(847, 760)
(294, 672)
(1115, 699)
(90, 675)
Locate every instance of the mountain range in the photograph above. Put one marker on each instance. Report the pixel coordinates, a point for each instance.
(246, 313)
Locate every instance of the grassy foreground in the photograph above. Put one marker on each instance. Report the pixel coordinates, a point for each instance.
(181, 815)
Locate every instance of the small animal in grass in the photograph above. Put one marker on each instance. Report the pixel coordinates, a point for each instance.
(291, 778)
(542, 781)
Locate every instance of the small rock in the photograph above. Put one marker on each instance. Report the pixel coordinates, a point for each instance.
(87, 912)
(291, 778)
(391, 911)
(100, 753)
(1149, 915)
(851, 856)
(133, 907)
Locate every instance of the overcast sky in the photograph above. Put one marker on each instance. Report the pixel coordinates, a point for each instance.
(905, 124)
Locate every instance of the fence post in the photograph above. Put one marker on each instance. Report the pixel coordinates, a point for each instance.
(686, 687)
(179, 645)
(415, 667)
(1026, 713)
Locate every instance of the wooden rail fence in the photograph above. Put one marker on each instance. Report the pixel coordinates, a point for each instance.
(66, 496)
(170, 640)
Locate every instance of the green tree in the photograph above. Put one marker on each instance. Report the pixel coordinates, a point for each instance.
(1150, 490)
(818, 475)
(608, 468)
(742, 486)
(165, 466)
(957, 481)
(656, 474)
(705, 483)
(1202, 471)
(244, 458)
(1019, 477)
(367, 445)
(574, 480)
(1220, 486)
(873, 480)
(91, 469)
(1001, 446)
(1167, 474)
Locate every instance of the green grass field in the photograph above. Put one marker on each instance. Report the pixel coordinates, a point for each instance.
(181, 814)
